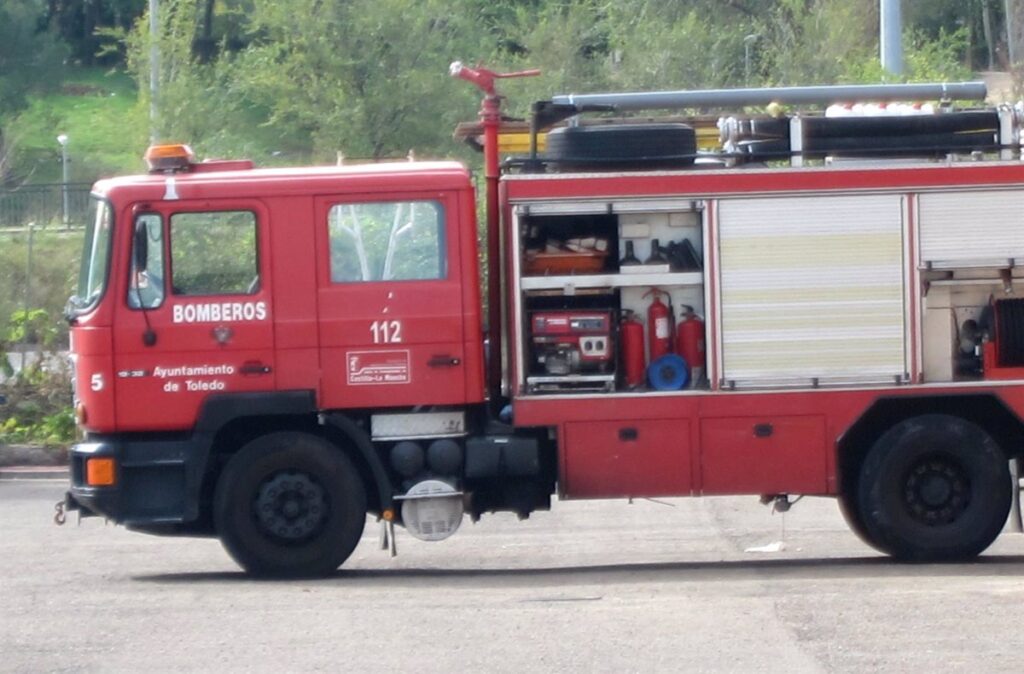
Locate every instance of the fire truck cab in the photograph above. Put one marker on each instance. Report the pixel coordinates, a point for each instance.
(270, 355)
(211, 307)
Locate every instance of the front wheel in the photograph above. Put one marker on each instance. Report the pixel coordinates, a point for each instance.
(934, 488)
(290, 505)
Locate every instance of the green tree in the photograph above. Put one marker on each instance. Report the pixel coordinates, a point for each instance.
(83, 25)
(679, 45)
(365, 77)
(29, 61)
(816, 41)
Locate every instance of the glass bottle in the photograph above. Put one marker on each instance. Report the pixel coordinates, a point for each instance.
(657, 256)
(630, 257)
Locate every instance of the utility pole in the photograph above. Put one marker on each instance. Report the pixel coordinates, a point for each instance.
(748, 42)
(891, 36)
(154, 66)
(1011, 35)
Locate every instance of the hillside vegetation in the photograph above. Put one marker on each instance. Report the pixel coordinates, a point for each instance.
(299, 81)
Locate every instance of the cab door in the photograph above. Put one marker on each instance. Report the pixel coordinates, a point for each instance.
(390, 300)
(194, 313)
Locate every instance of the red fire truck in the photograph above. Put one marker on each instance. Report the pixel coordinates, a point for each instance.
(803, 303)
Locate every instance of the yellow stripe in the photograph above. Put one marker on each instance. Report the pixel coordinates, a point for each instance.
(514, 142)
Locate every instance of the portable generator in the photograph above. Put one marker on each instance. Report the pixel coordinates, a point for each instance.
(571, 350)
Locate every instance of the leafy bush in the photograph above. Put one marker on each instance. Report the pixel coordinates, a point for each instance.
(38, 408)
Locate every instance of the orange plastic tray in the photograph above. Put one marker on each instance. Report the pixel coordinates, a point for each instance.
(565, 263)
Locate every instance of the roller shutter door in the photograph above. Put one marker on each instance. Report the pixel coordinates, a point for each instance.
(812, 290)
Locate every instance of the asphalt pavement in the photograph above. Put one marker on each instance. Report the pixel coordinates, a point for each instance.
(591, 586)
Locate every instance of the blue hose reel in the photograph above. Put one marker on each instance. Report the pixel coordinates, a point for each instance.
(668, 373)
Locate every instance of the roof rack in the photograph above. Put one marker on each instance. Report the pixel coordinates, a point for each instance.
(811, 95)
(860, 122)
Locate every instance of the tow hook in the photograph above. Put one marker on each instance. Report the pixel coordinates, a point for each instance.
(59, 517)
(65, 505)
(780, 502)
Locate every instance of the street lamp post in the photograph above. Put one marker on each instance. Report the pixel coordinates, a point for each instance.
(65, 214)
(154, 67)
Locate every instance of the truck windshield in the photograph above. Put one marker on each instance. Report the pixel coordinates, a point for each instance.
(92, 276)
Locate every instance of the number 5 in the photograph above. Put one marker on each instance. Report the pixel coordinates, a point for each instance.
(96, 382)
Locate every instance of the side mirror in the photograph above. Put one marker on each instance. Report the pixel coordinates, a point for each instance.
(140, 245)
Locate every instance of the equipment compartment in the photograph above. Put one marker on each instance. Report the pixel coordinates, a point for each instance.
(588, 271)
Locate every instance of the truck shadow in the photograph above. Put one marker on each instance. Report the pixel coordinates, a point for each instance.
(833, 568)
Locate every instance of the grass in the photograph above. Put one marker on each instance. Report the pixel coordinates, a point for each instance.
(108, 131)
(99, 111)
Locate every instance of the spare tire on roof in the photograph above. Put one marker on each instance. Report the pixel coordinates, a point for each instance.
(621, 147)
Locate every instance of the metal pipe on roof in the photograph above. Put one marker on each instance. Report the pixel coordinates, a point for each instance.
(812, 95)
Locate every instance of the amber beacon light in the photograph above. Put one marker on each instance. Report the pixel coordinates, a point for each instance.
(175, 157)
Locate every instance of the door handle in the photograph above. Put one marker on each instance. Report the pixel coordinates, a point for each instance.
(443, 360)
(254, 368)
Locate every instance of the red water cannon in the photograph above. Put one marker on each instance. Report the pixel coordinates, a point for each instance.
(484, 77)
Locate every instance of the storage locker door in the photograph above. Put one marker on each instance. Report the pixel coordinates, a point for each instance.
(812, 290)
(972, 228)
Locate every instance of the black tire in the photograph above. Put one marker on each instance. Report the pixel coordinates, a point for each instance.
(850, 510)
(934, 488)
(621, 147)
(290, 505)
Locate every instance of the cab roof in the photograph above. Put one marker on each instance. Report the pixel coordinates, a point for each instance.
(395, 177)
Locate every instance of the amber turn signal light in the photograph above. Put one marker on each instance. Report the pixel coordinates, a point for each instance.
(100, 472)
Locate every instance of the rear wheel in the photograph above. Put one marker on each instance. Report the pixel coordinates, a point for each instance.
(850, 510)
(290, 505)
(934, 488)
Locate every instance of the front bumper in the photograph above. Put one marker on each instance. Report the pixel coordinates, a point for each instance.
(158, 482)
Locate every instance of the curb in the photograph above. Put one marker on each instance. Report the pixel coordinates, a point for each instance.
(34, 473)
(22, 456)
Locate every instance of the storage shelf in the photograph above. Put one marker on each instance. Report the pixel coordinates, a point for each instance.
(569, 282)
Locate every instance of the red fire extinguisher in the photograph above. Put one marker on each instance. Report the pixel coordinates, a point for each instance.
(659, 325)
(631, 345)
(690, 342)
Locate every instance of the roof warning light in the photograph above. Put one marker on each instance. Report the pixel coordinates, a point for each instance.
(168, 158)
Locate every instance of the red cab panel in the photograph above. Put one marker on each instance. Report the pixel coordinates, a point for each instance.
(205, 303)
(390, 300)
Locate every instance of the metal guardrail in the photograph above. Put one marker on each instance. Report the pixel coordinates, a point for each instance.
(44, 205)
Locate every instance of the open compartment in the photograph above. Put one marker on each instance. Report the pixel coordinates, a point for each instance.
(587, 275)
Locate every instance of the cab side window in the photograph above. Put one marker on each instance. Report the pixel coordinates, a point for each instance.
(387, 241)
(214, 253)
(146, 284)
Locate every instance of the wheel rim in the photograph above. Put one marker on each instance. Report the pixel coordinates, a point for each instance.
(937, 490)
(290, 507)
